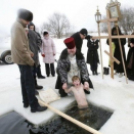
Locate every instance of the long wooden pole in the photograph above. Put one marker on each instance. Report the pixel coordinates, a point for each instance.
(116, 25)
(107, 20)
(78, 123)
(114, 37)
(113, 58)
(110, 46)
(101, 52)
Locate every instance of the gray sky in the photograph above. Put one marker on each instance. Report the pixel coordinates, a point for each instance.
(79, 12)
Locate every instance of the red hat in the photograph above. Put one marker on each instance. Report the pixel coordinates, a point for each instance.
(70, 43)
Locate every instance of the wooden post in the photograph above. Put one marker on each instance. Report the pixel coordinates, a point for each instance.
(114, 37)
(101, 52)
(113, 58)
(116, 25)
(110, 45)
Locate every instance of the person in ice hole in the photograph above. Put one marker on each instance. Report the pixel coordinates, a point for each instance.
(71, 63)
(78, 90)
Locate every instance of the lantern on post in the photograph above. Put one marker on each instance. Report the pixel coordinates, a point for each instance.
(98, 15)
(98, 19)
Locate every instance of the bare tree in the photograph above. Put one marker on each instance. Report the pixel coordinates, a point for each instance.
(57, 25)
(127, 20)
(104, 26)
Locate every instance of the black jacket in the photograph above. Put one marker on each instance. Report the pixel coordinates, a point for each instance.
(117, 53)
(34, 43)
(92, 53)
(130, 61)
(78, 41)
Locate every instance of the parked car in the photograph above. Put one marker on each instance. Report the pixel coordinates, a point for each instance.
(5, 51)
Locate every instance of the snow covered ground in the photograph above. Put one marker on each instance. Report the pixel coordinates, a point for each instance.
(113, 94)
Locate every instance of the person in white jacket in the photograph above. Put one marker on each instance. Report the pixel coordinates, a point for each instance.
(48, 53)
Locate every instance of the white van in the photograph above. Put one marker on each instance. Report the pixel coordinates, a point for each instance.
(5, 51)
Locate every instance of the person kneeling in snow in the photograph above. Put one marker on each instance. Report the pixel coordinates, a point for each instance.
(78, 90)
(71, 63)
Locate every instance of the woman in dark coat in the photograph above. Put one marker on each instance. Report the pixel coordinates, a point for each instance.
(92, 55)
(117, 54)
(130, 59)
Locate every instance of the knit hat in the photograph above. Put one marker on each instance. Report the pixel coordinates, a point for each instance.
(31, 24)
(83, 31)
(25, 14)
(70, 43)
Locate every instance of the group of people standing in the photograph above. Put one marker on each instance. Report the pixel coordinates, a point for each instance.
(129, 61)
(26, 44)
(72, 70)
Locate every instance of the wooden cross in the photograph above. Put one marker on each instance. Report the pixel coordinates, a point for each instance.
(112, 59)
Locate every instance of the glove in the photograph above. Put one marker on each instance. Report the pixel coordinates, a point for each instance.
(43, 55)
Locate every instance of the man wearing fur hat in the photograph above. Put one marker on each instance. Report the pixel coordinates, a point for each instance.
(71, 63)
(22, 56)
(79, 37)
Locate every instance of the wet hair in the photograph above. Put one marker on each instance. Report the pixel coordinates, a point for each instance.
(45, 33)
(75, 78)
(25, 15)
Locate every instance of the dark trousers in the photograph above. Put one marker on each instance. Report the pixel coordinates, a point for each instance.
(50, 68)
(38, 71)
(27, 86)
(93, 66)
(34, 71)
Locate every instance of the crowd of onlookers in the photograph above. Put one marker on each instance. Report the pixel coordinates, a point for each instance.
(73, 75)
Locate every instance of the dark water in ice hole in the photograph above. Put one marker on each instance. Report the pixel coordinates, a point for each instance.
(95, 117)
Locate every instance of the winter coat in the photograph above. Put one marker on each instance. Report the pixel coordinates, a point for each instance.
(78, 40)
(63, 68)
(34, 43)
(92, 53)
(39, 37)
(39, 41)
(130, 61)
(20, 50)
(48, 48)
(117, 53)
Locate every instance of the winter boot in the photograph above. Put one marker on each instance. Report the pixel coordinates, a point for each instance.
(93, 73)
(38, 87)
(40, 76)
(104, 71)
(96, 73)
(107, 70)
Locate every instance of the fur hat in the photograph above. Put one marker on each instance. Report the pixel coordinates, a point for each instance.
(25, 14)
(70, 43)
